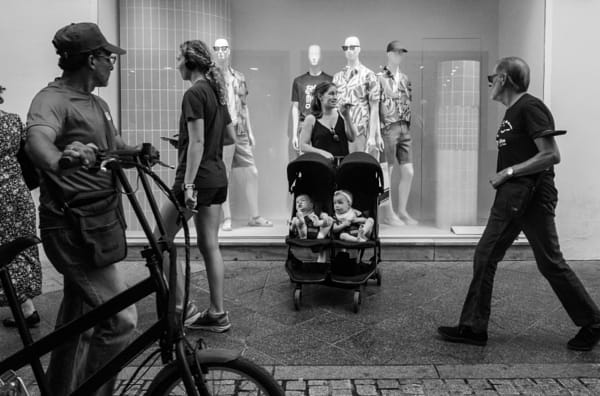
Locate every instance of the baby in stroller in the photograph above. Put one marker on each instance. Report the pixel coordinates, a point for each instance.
(348, 223)
(306, 224)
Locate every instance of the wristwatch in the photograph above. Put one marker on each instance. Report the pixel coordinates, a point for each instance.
(510, 171)
(189, 186)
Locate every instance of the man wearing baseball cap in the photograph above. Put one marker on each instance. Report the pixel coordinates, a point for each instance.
(66, 119)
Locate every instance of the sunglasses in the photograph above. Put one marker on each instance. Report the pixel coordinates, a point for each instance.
(223, 48)
(350, 47)
(334, 135)
(491, 78)
(112, 58)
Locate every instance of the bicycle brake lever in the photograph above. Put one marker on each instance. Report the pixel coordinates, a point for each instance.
(104, 163)
(159, 162)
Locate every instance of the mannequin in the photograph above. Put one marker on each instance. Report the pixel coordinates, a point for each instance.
(302, 90)
(240, 155)
(358, 86)
(395, 116)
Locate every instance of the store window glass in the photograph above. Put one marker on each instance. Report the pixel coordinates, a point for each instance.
(452, 46)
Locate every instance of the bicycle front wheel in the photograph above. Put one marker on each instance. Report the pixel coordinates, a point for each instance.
(236, 377)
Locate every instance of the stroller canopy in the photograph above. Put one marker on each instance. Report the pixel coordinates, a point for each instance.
(360, 172)
(310, 173)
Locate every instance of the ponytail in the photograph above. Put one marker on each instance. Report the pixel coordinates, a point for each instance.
(215, 78)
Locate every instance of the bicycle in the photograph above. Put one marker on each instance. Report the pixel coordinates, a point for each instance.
(186, 369)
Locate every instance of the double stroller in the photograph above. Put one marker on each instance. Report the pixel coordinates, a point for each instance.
(327, 259)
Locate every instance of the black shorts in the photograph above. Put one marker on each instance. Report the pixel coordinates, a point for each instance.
(204, 196)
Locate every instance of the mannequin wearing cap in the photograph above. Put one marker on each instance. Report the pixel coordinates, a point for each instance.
(239, 156)
(395, 117)
(302, 92)
(357, 85)
(66, 119)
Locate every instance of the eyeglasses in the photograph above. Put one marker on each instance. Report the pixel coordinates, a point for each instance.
(350, 47)
(112, 58)
(223, 48)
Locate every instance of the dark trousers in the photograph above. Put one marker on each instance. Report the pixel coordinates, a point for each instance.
(537, 222)
(85, 288)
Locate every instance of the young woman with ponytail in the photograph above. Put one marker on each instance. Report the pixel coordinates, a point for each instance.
(326, 130)
(200, 179)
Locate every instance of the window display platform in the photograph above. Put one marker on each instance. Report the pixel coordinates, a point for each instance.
(409, 243)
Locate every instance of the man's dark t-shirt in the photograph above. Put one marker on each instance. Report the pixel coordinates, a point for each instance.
(303, 88)
(74, 116)
(200, 102)
(523, 122)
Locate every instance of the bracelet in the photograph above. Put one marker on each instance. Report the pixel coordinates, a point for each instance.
(189, 186)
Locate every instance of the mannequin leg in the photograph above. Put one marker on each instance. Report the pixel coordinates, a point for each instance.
(406, 175)
(228, 152)
(406, 170)
(387, 215)
(243, 162)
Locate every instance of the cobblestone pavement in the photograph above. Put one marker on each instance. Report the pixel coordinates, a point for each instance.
(437, 387)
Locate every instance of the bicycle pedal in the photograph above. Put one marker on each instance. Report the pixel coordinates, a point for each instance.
(12, 385)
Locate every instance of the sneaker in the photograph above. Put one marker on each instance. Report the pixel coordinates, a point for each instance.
(463, 335)
(586, 339)
(191, 314)
(217, 323)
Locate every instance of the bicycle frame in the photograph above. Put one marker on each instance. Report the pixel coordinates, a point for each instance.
(168, 329)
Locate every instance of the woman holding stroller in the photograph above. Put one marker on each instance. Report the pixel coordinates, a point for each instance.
(326, 130)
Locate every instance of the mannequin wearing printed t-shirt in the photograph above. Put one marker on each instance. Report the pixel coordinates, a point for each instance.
(239, 156)
(358, 86)
(302, 92)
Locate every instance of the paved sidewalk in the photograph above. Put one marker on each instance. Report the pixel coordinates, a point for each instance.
(390, 346)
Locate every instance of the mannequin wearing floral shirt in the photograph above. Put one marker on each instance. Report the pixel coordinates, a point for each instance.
(241, 154)
(358, 86)
(395, 115)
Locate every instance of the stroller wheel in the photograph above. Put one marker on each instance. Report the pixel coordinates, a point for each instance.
(357, 300)
(378, 276)
(297, 298)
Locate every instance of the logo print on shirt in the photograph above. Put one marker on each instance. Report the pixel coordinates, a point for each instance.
(505, 127)
(308, 91)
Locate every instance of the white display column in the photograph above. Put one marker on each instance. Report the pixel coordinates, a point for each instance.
(457, 142)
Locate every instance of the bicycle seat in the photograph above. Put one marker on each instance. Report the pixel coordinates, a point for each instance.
(10, 250)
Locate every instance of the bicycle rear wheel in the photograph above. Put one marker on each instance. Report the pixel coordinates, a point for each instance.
(236, 377)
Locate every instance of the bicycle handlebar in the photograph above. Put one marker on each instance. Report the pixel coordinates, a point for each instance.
(147, 155)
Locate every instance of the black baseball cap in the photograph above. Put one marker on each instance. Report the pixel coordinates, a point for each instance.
(82, 37)
(395, 46)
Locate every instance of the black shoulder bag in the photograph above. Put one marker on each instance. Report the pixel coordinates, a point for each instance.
(99, 218)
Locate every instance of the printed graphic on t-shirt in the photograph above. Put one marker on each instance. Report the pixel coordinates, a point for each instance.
(308, 95)
(303, 89)
(505, 127)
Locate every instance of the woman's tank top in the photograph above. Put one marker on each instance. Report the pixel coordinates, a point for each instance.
(334, 141)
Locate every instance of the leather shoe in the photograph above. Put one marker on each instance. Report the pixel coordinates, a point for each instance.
(586, 338)
(31, 321)
(463, 335)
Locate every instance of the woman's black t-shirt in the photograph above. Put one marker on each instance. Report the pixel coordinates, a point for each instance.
(523, 122)
(325, 139)
(200, 102)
